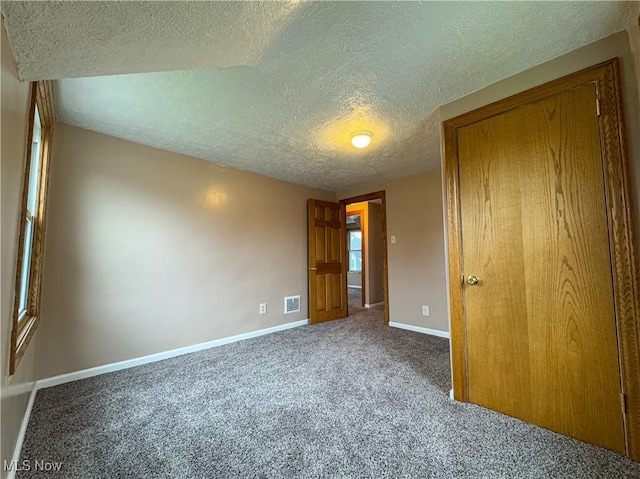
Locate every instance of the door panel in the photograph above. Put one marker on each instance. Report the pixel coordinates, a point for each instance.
(540, 323)
(337, 244)
(320, 244)
(336, 290)
(327, 261)
(320, 293)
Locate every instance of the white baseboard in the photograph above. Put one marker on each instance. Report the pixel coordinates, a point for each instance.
(22, 432)
(451, 395)
(354, 286)
(152, 358)
(418, 329)
(374, 305)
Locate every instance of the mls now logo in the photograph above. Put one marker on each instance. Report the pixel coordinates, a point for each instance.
(27, 465)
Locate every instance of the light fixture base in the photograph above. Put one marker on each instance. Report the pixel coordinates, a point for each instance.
(361, 138)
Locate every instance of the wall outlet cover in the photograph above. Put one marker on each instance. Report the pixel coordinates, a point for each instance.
(263, 308)
(425, 310)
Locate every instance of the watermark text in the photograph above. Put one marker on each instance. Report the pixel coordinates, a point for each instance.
(36, 465)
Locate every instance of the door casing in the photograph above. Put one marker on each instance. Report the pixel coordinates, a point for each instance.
(619, 221)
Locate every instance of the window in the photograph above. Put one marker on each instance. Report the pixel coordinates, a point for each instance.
(355, 250)
(30, 245)
(30, 213)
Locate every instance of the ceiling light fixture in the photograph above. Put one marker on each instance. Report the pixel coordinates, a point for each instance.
(361, 139)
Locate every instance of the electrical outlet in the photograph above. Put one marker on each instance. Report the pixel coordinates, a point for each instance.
(263, 308)
(393, 239)
(425, 310)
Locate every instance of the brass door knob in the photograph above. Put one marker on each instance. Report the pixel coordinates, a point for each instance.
(472, 280)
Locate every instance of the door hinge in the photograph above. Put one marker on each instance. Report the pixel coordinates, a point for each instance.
(623, 402)
(597, 106)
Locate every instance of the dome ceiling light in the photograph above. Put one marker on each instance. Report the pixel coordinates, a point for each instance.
(361, 139)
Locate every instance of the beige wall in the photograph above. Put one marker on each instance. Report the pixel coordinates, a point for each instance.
(15, 390)
(614, 46)
(416, 260)
(375, 280)
(149, 251)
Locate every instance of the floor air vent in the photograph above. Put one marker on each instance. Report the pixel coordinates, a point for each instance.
(291, 304)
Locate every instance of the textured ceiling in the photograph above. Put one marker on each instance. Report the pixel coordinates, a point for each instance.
(306, 75)
(68, 39)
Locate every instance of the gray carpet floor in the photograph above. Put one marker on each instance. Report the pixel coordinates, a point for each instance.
(348, 398)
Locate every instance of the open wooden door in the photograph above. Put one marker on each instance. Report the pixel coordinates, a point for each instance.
(327, 261)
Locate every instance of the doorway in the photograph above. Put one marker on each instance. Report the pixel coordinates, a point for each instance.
(356, 253)
(543, 281)
(366, 241)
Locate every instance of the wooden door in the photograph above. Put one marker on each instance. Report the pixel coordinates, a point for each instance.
(327, 261)
(540, 321)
